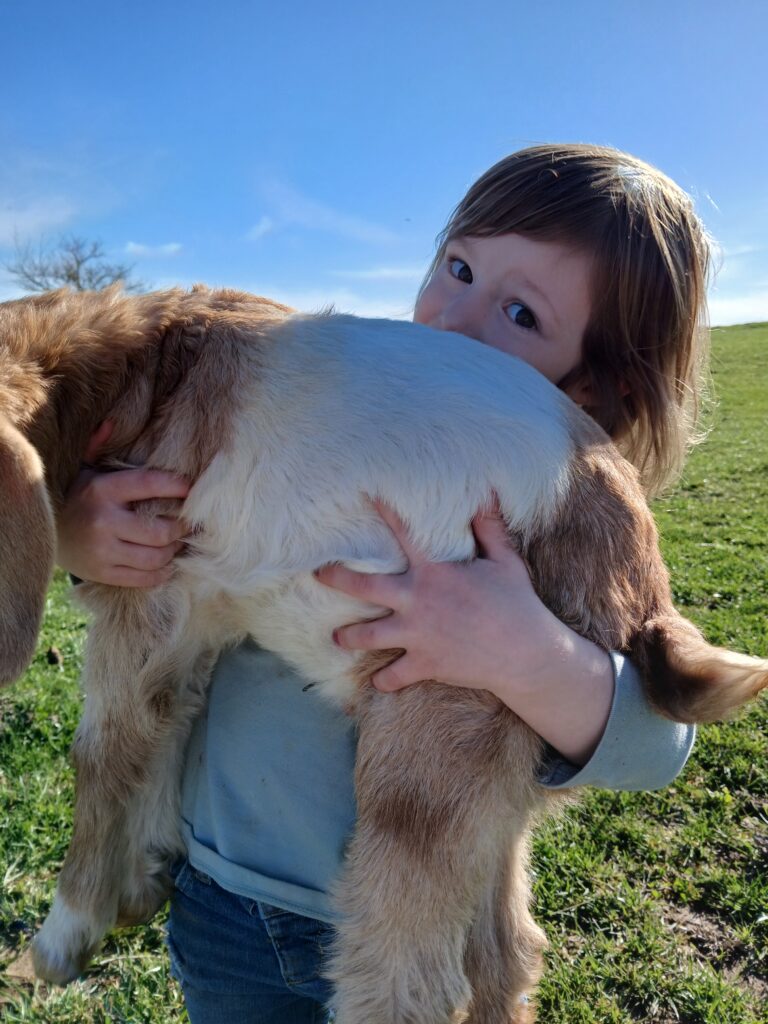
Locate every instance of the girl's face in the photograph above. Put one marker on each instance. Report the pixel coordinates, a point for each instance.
(525, 297)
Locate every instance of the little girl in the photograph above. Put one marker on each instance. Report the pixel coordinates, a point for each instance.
(591, 266)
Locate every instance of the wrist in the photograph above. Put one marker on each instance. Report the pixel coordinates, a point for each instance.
(568, 699)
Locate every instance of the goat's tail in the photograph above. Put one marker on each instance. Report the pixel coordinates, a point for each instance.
(27, 548)
(689, 680)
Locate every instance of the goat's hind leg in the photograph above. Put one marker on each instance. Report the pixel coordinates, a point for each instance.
(131, 678)
(428, 765)
(398, 956)
(503, 958)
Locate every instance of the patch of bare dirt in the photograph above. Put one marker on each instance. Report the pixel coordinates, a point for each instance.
(712, 941)
(704, 932)
(21, 970)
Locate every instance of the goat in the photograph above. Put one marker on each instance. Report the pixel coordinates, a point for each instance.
(286, 422)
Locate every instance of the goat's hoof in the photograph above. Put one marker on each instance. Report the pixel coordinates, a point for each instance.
(58, 966)
(65, 944)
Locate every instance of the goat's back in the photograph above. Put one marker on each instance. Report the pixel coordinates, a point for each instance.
(339, 410)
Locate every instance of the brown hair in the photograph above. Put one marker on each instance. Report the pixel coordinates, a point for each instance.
(645, 350)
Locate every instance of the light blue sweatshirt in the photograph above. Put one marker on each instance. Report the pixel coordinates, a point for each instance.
(268, 799)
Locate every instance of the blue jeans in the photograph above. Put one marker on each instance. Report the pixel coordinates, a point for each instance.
(240, 961)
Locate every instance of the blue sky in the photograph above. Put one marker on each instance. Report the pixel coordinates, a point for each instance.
(312, 151)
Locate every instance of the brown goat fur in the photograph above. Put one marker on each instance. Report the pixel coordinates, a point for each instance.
(434, 925)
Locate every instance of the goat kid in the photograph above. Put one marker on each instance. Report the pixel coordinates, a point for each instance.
(285, 422)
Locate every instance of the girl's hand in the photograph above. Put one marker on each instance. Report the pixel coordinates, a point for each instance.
(481, 624)
(101, 538)
(464, 623)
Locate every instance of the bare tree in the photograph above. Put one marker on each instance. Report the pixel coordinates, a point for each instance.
(73, 263)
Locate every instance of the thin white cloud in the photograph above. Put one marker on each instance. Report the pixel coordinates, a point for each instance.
(43, 194)
(740, 250)
(290, 208)
(264, 227)
(342, 299)
(21, 219)
(413, 275)
(138, 249)
(9, 289)
(741, 267)
(309, 299)
(745, 308)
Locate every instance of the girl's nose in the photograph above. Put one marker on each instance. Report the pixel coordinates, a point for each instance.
(463, 315)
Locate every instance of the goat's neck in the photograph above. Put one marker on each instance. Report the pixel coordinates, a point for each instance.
(83, 350)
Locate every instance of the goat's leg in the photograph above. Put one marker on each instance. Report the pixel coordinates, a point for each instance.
(153, 838)
(432, 763)
(81, 914)
(399, 952)
(108, 772)
(133, 675)
(503, 957)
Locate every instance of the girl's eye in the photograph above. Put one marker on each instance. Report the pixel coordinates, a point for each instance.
(460, 270)
(521, 315)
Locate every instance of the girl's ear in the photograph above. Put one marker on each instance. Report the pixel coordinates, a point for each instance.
(577, 384)
(580, 390)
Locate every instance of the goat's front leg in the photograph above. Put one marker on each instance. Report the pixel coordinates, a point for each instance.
(151, 819)
(126, 754)
(434, 774)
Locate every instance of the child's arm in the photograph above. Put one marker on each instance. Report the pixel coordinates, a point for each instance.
(481, 624)
(639, 750)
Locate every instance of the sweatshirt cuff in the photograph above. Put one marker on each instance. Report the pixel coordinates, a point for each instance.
(639, 750)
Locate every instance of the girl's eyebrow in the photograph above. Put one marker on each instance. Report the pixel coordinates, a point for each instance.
(526, 283)
(454, 243)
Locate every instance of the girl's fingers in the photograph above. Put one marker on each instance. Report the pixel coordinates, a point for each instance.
(491, 535)
(414, 554)
(374, 635)
(130, 485)
(125, 576)
(401, 673)
(144, 558)
(388, 591)
(158, 532)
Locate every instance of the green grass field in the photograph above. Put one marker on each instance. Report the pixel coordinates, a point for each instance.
(656, 905)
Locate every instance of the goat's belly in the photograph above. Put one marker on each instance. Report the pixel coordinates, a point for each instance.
(295, 619)
(259, 556)
(262, 584)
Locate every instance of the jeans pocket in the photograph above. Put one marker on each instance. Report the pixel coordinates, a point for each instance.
(188, 879)
(302, 945)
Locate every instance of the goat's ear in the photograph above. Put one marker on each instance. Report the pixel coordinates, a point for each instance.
(27, 549)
